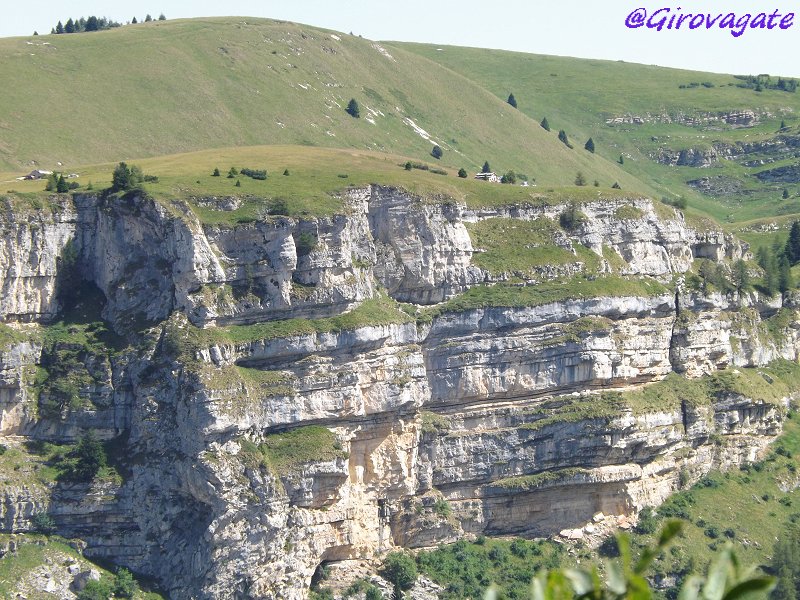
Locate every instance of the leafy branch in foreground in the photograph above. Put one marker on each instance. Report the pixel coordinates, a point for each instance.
(625, 578)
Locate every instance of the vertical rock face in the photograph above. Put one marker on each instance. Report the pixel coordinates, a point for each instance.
(31, 246)
(273, 408)
(422, 251)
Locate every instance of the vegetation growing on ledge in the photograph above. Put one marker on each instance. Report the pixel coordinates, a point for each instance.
(21, 569)
(517, 246)
(532, 482)
(509, 295)
(769, 384)
(373, 312)
(285, 453)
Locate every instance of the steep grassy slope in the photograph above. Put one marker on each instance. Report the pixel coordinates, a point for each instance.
(580, 95)
(164, 87)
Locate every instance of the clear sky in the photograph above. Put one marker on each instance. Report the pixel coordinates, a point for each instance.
(585, 28)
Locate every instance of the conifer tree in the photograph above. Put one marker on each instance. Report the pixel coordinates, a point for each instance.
(792, 249)
(785, 280)
(512, 101)
(148, 18)
(353, 109)
(134, 21)
(436, 152)
(69, 27)
(161, 17)
(462, 172)
(62, 186)
(590, 145)
(785, 194)
(59, 27)
(562, 135)
(486, 168)
(545, 125)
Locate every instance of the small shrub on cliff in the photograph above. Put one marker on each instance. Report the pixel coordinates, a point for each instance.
(84, 461)
(571, 218)
(125, 585)
(462, 173)
(96, 590)
(306, 244)
(400, 570)
(43, 523)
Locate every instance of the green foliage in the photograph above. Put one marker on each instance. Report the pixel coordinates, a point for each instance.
(61, 185)
(467, 570)
(628, 213)
(740, 276)
(306, 243)
(786, 564)
(52, 182)
(408, 166)
(562, 136)
(580, 179)
(509, 177)
(512, 101)
(232, 172)
(792, 248)
(371, 592)
(353, 109)
(125, 585)
(216, 172)
(486, 168)
(286, 172)
(400, 570)
(436, 152)
(238, 183)
(625, 577)
(589, 145)
(259, 174)
(503, 295)
(572, 217)
(286, 452)
(442, 508)
(545, 125)
(462, 173)
(126, 178)
(43, 523)
(96, 590)
(90, 457)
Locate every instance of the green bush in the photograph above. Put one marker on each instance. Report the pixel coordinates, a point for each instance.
(306, 244)
(400, 570)
(96, 590)
(125, 585)
(572, 218)
(43, 523)
(462, 173)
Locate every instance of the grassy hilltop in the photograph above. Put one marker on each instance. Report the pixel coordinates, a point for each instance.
(173, 86)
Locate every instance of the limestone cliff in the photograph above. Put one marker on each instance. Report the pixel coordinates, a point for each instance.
(292, 391)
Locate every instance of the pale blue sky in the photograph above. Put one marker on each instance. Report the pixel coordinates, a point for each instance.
(586, 28)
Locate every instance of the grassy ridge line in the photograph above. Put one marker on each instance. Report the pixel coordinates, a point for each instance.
(556, 87)
(172, 86)
(316, 181)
